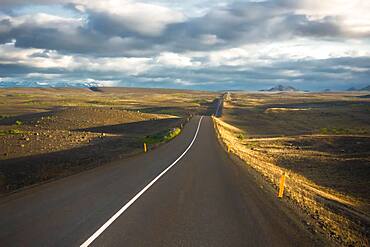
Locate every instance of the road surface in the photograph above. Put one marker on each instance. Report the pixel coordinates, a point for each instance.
(202, 200)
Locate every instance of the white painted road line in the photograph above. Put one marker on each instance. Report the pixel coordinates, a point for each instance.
(128, 204)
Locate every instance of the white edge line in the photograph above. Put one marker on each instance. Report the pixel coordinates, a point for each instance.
(128, 204)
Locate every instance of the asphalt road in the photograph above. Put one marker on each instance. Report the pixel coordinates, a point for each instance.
(202, 200)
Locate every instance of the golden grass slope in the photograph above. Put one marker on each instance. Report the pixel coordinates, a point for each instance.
(335, 213)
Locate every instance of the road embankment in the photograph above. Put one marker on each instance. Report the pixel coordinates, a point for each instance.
(333, 214)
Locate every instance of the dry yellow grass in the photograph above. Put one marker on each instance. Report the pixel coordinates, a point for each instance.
(329, 208)
(272, 110)
(17, 101)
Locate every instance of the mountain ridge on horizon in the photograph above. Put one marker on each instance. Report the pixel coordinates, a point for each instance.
(97, 84)
(280, 88)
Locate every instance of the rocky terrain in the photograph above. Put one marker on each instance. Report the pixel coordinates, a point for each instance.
(46, 133)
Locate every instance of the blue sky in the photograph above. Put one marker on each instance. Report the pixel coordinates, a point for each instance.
(215, 45)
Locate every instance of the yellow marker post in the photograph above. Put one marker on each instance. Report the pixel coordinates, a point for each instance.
(281, 187)
(228, 148)
(145, 149)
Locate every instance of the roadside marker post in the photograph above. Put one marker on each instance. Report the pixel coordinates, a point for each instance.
(145, 148)
(281, 187)
(228, 148)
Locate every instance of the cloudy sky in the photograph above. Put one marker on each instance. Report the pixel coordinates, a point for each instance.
(198, 44)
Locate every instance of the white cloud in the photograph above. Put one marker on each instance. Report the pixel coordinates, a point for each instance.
(291, 73)
(210, 39)
(184, 83)
(144, 18)
(43, 75)
(174, 59)
(44, 20)
(353, 15)
(190, 83)
(295, 49)
(104, 83)
(52, 59)
(130, 66)
(11, 54)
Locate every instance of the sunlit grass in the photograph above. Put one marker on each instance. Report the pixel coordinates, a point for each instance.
(12, 132)
(162, 136)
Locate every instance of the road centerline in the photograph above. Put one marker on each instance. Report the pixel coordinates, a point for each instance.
(98, 232)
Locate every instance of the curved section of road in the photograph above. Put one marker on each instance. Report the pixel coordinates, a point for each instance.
(194, 196)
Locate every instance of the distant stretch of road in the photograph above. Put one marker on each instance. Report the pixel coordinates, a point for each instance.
(187, 192)
(219, 106)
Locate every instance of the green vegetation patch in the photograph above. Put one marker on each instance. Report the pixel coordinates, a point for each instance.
(341, 131)
(251, 144)
(102, 102)
(240, 136)
(201, 102)
(163, 136)
(171, 111)
(11, 132)
(22, 95)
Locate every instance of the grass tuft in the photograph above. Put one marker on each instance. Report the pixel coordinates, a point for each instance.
(240, 136)
(341, 131)
(11, 132)
(162, 136)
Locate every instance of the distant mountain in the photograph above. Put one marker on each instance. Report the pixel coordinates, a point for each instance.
(367, 88)
(364, 96)
(4, 84)
(281, 88)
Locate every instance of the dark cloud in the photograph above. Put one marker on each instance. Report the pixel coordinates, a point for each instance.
(335, 73)
(317, 74)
